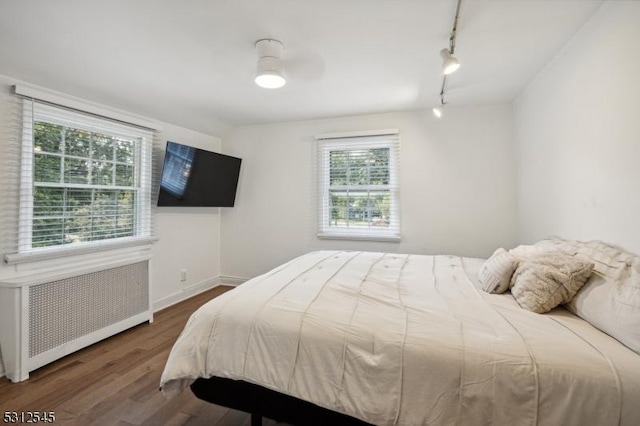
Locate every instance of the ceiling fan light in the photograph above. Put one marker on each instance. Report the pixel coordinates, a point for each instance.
(269, 74)
(270, 81)
(449, 63)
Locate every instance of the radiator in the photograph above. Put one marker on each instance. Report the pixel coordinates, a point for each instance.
(59, 317)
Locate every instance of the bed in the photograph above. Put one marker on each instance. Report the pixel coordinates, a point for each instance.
(337, 337)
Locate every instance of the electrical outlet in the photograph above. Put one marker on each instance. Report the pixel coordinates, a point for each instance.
(183, 274)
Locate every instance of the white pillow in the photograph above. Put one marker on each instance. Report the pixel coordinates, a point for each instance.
(610, 300)
(546, 280)
(524, 252)
(495, 273)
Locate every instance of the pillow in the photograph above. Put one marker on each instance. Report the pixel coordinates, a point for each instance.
(523, 252)
(545, 280)
(495, 273)
(610, 300)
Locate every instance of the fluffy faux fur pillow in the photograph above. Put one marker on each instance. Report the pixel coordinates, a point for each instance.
(495, 273)
(545, 280)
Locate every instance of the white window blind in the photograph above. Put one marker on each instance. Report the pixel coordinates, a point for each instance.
(85, 183)
(358, 181)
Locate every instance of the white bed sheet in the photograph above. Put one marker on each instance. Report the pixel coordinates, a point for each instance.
(409, 340)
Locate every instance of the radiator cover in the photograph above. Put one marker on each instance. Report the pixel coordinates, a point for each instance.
(65, 310)
(47, 319)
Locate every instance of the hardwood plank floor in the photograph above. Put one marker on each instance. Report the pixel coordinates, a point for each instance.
(115, 381)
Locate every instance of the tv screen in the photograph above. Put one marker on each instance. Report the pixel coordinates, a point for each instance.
(193, 177)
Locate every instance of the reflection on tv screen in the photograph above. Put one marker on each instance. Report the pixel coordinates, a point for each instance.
(177, 169)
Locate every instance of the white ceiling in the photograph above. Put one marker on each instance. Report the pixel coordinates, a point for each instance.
(192, 62)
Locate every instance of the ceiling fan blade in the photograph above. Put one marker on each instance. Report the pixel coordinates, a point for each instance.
(304, 65)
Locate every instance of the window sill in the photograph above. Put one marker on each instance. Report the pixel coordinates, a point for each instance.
(357, 237)
(57, 252)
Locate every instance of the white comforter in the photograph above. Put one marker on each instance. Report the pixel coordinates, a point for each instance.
(407, 339)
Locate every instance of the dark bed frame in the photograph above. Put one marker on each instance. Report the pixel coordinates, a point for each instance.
(260, 401)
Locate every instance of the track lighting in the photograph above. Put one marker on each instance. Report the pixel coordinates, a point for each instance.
(438, 109)
(269, 73)
(449, 63)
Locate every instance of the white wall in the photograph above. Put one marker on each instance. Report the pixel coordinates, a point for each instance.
(189, 237)
(577, 130)
(457, 187)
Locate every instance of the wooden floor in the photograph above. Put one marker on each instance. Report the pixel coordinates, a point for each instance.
(115, 382)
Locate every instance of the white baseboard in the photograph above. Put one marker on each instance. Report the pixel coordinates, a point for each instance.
(185, 293)
(195, 289)
(232, 281)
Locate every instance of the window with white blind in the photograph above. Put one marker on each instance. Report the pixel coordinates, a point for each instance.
(358, 181)
(85, 180)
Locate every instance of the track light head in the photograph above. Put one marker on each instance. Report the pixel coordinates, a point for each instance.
(438, 109)
(449, 63)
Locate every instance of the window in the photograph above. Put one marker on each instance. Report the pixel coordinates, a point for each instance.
(358, 187)
(85, 180)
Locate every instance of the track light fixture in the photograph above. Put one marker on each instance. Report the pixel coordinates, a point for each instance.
(449, 62)
(438, 109)
(269, 73)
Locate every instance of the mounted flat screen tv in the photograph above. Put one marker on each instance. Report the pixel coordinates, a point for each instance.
(193, 177)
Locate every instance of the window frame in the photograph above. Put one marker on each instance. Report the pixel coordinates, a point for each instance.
(352, 142)
(34, 111)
